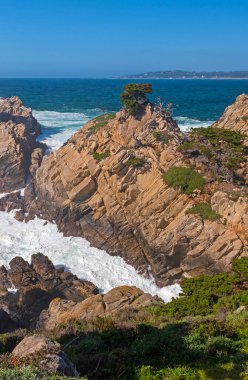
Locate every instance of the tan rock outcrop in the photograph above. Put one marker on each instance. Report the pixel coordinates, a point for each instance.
(235, 117)
(20, 154)
(123, 297)
(105, 184)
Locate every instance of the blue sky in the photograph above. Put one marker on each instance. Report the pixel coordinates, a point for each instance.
(104, 38)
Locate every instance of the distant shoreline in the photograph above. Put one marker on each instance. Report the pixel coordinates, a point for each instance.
(155, 78)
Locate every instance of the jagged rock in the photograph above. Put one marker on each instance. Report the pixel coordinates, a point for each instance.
(126, 209)
(21, 273)
(5, 282)
(20, 154)
(122, 297)
(235, 117)
(37, 285)
(48, 354)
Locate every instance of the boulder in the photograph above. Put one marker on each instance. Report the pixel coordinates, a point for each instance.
(46, 354)
(122, 297)
(37, 285)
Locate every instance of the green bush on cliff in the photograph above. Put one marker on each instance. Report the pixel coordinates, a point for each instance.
(185, 179)
(240, 266)
(204, 294)
(101, 121)
(163, 137)
(100, 156)
(134, 95)
(136, 161)
(205, 210)
(219, 145)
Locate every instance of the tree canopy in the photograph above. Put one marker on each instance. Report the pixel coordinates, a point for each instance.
(134, 95)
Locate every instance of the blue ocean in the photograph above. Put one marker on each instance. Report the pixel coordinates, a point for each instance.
(64, 105)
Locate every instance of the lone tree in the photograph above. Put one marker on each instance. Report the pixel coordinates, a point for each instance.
(134, 95)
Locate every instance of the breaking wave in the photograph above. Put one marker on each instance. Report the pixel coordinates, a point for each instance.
(88, 263)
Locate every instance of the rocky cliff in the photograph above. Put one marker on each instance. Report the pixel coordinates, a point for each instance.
(106, 185)
(20, 154)
(235, 117)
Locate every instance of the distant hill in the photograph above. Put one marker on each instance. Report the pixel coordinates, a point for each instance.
(180, 74)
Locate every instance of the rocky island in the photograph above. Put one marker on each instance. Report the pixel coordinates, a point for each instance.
(172, 204)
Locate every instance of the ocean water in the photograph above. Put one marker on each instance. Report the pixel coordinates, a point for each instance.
(64, 105)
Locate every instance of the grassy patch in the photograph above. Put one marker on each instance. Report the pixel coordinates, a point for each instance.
(101, 121)
(100, 156)
(136, 161)
(185, 179)
(163, 137)
(30, 373)
(204, 210)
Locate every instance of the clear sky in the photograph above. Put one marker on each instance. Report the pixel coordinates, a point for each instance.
(104, 38)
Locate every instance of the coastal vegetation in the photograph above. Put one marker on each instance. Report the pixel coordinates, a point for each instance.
(134, 95)
(185, 179)
(202, 335)
(163, 137)
(100, 156)
(136, 161)
(101, 121)
(205, 210)
(219, 145)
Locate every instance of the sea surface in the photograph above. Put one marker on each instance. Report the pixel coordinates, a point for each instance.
(64, 105)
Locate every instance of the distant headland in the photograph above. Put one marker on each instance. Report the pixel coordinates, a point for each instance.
(180, 74)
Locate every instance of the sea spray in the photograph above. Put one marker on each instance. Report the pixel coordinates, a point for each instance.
(88, 263)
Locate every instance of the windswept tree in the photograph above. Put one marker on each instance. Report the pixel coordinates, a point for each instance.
(134, 96)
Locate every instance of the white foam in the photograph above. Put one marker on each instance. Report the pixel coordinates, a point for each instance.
(105, 271)
(58, 127)
(186, 123)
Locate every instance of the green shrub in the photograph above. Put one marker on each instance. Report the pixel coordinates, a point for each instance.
(101, 121)
(204, 210)
(134, 95)
(163, 137)
(100, 156)
(219, 145)
(240, 266)
(177, 373)
(200, 294)
(185, 179)
(216, 135)
(29, 373)
(136, 161)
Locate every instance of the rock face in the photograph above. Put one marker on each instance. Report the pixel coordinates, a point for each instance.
(20, 154)
(235, 117)
(46, 354)
(37, 284)
(117, 299)
(105, 184)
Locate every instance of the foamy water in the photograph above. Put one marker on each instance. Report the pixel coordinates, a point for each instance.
(58, 127)
(88, 263)
(186, 123)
